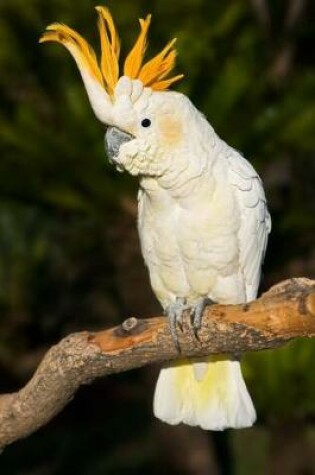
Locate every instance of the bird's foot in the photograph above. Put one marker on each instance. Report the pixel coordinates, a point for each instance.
(196, 313)
(174, 313)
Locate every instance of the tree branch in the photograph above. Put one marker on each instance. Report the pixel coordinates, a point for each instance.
(285, 312)
(262, 12)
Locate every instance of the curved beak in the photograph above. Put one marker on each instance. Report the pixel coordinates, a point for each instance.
(114, 138)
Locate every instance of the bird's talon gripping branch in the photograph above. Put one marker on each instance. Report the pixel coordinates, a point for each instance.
(174, 313)
(196, 313)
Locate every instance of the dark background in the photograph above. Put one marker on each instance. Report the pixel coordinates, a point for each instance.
(69, 253)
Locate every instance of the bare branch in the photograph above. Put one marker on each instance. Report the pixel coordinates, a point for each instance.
(284, 59)
(262, 12)
(295, 11)
(285, 312)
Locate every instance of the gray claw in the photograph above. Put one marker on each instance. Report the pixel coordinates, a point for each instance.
(174, 312)
(196, 313)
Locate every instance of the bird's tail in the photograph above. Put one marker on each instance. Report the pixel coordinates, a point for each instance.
(211, 394)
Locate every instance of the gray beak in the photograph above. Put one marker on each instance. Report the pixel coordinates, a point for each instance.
(114, 138)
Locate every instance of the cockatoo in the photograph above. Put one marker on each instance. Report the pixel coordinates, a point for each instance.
(203, 221)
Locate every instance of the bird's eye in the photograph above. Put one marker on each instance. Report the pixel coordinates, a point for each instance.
(146, 123)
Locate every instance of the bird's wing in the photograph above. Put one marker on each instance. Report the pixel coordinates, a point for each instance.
(255, 220)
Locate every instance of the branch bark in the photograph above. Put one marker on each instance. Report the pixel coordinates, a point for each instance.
(285, 312)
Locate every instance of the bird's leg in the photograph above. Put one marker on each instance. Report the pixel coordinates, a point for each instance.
(174, 313)
(196, 313)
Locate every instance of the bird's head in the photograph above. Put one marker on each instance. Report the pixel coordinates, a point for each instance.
(148, 127)
(145, 121)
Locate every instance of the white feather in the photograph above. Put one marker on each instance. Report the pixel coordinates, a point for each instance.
(98, 97)
(255, 220)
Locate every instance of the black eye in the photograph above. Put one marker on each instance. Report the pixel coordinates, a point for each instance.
(146, 123)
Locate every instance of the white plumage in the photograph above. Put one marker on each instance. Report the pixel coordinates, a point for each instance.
(203, 231)
(203, 226)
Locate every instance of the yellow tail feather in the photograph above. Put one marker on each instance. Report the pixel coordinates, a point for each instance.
(210, 394)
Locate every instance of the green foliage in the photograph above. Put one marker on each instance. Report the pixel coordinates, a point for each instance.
(282, 382)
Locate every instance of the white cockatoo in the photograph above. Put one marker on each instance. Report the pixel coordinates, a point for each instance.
(203, 220)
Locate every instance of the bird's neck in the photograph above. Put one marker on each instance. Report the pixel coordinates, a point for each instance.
(177, 187)
(190, 178)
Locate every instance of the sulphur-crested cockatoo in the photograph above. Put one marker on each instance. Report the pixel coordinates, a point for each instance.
(203, 221)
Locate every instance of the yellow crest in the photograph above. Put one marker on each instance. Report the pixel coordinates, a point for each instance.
(154, 73)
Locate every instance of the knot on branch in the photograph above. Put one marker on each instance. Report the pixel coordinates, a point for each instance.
(130, 327)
